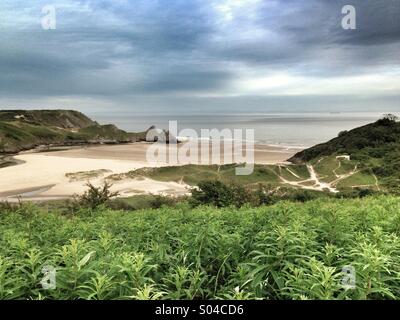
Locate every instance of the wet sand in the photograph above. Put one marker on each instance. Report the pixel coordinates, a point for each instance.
(136, 152)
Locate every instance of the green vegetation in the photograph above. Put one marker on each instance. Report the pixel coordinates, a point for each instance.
(341, 174)
(285, 251)
(137, 202)
(86, 175)
(375, 148)
(219, 194)
(66, 119)
(96, 196)
(359, 179)
(195, 174)
(22, 130)
(293, 172)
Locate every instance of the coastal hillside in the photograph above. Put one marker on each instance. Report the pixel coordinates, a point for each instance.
(373, 149)
(23, 130)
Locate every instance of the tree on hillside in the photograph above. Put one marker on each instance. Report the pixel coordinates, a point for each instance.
(388, 119)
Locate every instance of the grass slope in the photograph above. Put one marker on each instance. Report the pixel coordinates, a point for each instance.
(328, 169)
(193, 174)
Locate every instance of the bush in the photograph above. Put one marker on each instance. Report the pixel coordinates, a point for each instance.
(96, 196)
(212, 192)
(304, 195)
(215, 193)
(220, 195)
(159, 201)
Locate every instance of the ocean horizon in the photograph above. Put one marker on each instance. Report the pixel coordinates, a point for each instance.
(282, 129)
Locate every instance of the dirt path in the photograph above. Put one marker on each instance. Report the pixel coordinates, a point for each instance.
(376, 182)
(337, 168)
(293, 173)
(344, 176)
(317, 184)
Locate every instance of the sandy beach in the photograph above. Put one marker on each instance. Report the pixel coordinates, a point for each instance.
(62, 174)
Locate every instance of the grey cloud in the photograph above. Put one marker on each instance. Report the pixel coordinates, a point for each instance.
(186, 79)
(112, 48)
(309, 33)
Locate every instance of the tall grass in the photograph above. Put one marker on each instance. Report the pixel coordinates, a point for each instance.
(285, 251)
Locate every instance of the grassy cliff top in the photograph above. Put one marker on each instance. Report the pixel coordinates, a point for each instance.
(66, 119)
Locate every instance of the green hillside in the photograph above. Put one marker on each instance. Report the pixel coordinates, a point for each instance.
(374, 151)
(22, 130)
(285, 251)
(66, 119)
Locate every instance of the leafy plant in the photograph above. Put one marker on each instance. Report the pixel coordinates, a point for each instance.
(290, 250)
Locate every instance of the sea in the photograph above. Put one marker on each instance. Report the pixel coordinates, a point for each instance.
(281, 129)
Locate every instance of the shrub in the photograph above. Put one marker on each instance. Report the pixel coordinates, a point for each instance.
(215, 193)
(220, 195)
(158, 201)
(303, 195)
(96, 196)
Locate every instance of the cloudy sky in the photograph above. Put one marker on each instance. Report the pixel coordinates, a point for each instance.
(200, 54)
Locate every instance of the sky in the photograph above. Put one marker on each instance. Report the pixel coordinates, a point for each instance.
(207, 55)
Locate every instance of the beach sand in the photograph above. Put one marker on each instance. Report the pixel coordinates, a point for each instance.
(62, 174)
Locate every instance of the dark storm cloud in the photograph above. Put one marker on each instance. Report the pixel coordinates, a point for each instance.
(319, 21)
(310, 32)
(112, 48)
(140, 38)
(378, 23)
